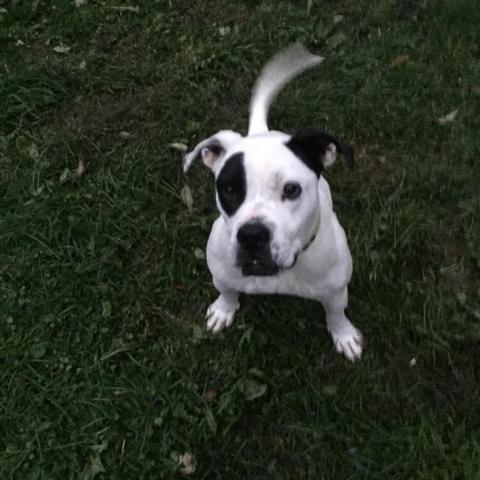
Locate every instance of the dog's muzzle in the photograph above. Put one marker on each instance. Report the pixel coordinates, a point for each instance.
(254, 256)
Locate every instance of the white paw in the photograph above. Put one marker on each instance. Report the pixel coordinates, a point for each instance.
(350, 343)
(218, 319)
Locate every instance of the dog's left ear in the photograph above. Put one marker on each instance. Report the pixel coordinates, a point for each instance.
(212, 149)
(318, 149)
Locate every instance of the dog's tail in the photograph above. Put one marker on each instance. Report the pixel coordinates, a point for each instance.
(282, 68)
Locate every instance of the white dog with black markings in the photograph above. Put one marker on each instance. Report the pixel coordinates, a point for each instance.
(277, 231)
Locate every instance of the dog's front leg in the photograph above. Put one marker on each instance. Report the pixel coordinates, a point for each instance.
(346, 338)
(221, 311)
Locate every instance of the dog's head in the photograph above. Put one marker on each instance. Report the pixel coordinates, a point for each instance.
(267, 192)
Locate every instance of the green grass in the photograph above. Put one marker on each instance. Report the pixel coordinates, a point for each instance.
(106, 370)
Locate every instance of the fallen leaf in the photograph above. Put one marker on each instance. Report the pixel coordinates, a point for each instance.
(38, 351)
(124, 134)
(125, 8)
(223, 31)
(65, 175)
(181, 147)
(19, 43)
(449, 117)
(43, 426)
(83, 65)
(80, 172)
(210, 394)
(330, 390)
(337, 19)
(80, 3)
(187, 461)
(38, 191)
(413, 362)
(398, 61)
(32, 152)
(106, 309)
(186, 196)
(199, 254)
(251, 389)
(61, 49)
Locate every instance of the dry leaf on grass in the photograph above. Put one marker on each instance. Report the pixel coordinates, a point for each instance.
(80, 171)
(337, 19)
(187, 461)
(181, 147)
(223, 31)
(61, 49)
(65, 175)
(80, 3)
(210, 394)
(125, 8)
(398, 61)
(449, 117)
(186, 196)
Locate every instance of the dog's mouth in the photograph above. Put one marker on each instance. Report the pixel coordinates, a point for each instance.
(256, 263)
(257, 269)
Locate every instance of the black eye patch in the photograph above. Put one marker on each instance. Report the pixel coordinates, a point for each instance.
(231, 184)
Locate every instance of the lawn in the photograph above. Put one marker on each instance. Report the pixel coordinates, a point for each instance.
(107, 371)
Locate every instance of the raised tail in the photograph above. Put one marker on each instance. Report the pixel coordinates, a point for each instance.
(282, 68)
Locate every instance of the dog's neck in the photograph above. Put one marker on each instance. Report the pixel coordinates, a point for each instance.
(314, 235)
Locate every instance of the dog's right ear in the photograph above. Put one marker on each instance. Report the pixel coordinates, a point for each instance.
(212, 149)
(318, 149)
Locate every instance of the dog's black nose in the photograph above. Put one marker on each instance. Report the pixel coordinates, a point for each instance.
(252, 235)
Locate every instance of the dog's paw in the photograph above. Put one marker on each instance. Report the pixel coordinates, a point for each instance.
(218, 319)
(350, 343)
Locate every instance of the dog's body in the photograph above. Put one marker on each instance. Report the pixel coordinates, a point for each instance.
(277, 232)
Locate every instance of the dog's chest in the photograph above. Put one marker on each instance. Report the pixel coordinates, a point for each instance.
(286, 283)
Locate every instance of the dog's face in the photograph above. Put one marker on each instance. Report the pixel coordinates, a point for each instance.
(268, 199)
(266, 191)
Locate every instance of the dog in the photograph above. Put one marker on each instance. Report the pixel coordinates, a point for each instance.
(277, 232)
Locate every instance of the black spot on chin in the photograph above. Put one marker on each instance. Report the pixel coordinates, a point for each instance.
(231, 184)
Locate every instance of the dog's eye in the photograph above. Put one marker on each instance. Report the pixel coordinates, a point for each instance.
(228, 190)
(291, 191)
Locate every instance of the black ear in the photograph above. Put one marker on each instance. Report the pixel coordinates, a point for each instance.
(317, 149)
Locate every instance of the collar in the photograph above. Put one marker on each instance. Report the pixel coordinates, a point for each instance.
(310, 241)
